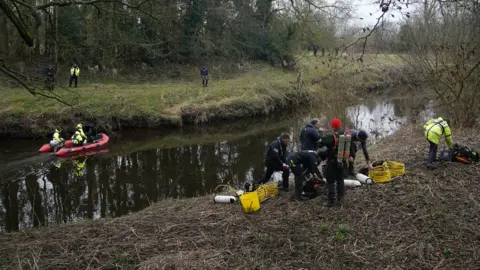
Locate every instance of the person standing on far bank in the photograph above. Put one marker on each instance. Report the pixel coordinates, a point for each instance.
(204, 73)
(74, 73)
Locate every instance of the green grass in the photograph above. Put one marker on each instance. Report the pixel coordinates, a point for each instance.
(252, 91)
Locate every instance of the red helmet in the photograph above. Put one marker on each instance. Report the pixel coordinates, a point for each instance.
(336, 123)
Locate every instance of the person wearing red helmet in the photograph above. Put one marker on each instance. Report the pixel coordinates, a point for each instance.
(334, 172)
(336, 123)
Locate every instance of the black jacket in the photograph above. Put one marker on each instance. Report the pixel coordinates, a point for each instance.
(353, 147)
(330, 153)
(308, 159)
(276, 153)
(309, 137)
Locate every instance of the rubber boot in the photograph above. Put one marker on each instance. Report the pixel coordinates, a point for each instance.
(298, 193)
(330, 196)
(431, 160)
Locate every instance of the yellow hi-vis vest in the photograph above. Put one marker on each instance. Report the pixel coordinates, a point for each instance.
(75, 71)
(78, 137)
(435, 128)
(56, 137)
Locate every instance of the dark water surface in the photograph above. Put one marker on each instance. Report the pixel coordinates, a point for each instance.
(143, 167)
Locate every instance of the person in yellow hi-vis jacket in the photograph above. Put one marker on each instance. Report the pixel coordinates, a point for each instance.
(434, 129)
(79, 137)
(74, 73)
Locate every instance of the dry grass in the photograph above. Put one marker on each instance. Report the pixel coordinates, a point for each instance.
(426, 219)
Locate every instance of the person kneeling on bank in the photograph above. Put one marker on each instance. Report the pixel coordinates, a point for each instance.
(275, 159)
(79, 137)
(303, 163)
(57, 141)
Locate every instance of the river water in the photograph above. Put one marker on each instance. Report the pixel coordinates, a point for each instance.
(142, 167)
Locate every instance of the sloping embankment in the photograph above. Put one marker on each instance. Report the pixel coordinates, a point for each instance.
(426, 219)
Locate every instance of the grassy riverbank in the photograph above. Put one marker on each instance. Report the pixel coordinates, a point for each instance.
(423, 220)
(258, 91)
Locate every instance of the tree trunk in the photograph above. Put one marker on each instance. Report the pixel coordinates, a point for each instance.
(3, 35)
(55, 18)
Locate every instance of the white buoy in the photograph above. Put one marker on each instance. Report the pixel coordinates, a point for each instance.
(352, 183)
(348, 182)
(364, 179)
(224, 199)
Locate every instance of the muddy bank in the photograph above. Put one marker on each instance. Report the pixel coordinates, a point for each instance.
(422, 220)
(40, 126)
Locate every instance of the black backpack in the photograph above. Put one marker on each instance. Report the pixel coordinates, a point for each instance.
(464, 154)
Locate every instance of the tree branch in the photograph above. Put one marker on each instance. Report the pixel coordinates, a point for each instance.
(26, 36)
(29, 86)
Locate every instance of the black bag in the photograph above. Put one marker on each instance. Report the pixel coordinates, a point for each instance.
(464, 154)
(446, 155)
(311, 187)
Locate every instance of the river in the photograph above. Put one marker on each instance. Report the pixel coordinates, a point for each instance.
(142, 167)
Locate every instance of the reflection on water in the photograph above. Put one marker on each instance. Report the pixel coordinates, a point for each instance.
(46, 190)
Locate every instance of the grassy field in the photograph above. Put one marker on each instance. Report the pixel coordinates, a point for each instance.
(422, 220)
(258, 90)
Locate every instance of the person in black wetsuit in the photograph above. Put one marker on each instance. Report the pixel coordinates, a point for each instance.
(302, 163)
(334, 168)
(275, 159)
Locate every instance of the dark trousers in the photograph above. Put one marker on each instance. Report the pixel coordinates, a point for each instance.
(432, 153)
(271, 169)
(205, 80)
(299, 173)
(335, 177)
(72, 78)
(350, 169)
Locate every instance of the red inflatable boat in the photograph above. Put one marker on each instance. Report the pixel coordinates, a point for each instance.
(85, 154)
(48, 148)
(69, 150)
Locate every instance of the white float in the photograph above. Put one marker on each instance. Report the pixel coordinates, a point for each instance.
(348, 182)
(224, 199)
(364, 179)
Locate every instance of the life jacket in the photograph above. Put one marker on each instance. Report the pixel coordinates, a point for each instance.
(341, 146)
(464, 154)
(77, 137)
(56, 137)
